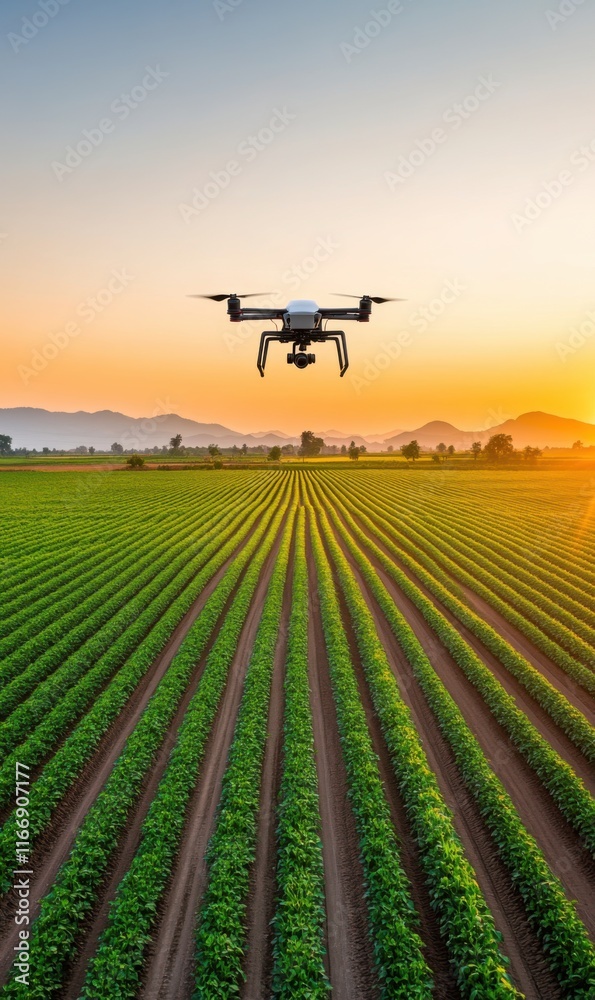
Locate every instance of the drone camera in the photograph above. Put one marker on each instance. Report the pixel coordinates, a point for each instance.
(301, 360)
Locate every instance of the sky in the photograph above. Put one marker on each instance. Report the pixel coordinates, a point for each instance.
(439, 152)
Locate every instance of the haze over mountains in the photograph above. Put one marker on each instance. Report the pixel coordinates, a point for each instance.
(31, 427)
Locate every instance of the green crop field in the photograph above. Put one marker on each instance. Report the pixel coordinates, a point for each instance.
(272, 732)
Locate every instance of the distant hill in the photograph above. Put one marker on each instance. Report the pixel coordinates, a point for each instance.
(540, 430)
(31, 427)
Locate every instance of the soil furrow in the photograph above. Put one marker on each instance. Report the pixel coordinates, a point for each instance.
(169, 968)
(261, 903)
(524, 701)
(350, 962)
(55, 843)
(528, 966)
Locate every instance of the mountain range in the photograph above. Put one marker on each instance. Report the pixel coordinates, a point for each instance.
(31, 427)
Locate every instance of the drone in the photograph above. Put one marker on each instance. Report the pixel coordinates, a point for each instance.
(302, 323)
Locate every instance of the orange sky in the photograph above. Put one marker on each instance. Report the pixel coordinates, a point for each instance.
(324, 188)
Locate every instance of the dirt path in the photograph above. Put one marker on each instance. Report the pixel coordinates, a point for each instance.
(56, 842)
(349, 952)
(528, 966)
(261, 904)
(170, 960)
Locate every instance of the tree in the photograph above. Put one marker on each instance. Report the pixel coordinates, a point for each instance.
(288, 449)
(81, 449)
(441, 448)
(311, 445)
(343, 449)
(476, 450)
(214, 451)
(577, 446)
(5, 444)
(175, 442)
(531, 454)
(411, 451)
(436, 458)
(390, 449)
(275, 454)
(362, 449)
(244, 449)
(353, 452)
(91, 450)
(499, 447)
(136, 462)
(45, 451)
(451, 449)
(117, 449)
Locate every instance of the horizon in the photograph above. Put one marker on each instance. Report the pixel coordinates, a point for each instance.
(379, 437)
(348, 190)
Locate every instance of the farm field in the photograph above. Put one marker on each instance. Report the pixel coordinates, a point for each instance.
(289, 732)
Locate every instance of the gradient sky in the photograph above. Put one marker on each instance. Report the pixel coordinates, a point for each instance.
(327, 180)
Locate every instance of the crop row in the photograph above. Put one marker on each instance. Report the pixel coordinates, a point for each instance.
(34, 600)
(178, 572)
(563, 936)
(549, 634)
(114, 968)
(54, 934)
(221, 934)
(512, 545)
(61, 772)
(450, 597)
(101, 594)
(465, 921)
(551, 551)
(555, 613)
(298, 948)
(57, 530)
(558, 777)
(84, 612)
(392, 918)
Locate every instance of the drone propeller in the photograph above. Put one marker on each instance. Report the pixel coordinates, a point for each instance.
(373, 298)
(221, 298)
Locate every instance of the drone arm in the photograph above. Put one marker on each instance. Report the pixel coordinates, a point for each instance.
(253, 314)
(348, 314)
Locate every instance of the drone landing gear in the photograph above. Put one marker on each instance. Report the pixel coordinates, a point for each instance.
(339, 337)
(298, 357)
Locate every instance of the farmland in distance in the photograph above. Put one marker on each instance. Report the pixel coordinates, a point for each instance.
(288, 732)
